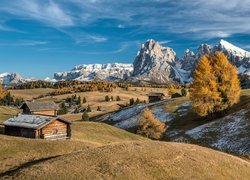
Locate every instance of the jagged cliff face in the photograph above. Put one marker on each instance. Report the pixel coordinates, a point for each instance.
(237, 56)
(108, 72)
(157, 64)
(11, 79)
(154, 63)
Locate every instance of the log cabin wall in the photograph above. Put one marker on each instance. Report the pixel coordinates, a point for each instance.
(46, 112)
(19, 131)
(55, 130)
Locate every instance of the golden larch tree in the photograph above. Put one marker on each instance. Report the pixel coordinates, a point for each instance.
(215, 85)
(2, 92)
(149, 126)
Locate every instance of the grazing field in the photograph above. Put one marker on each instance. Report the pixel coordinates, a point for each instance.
(139, 160)
(16, 151)
(101, 133)
(94, 99)
(101, 151)
(29, 94)
(7, 112)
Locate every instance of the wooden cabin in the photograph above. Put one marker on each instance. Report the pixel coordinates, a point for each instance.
(154, 97)
(42, 108)
(38, 127)
(176, 95)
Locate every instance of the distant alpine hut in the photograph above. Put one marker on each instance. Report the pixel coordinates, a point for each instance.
(154, 97)
(38, 127)
(176, 95)
(43, 108)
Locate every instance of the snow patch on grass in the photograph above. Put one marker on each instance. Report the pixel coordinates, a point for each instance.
(228, 134)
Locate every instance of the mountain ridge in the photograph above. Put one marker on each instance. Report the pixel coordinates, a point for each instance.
(153, 63)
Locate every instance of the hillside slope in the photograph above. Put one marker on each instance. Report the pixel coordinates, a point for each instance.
(228, 134)
(16, 151)
(140, 160)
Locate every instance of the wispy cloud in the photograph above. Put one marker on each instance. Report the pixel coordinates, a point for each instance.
(81, 37)
(24, 43)
(165, 42)
(121, 26)
(125, 45)
(47, 11)
(201, 19)
(97, 38)
(206, 19)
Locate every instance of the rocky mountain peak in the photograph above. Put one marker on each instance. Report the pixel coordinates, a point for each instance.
(204, 49)
(188, 54)
(153, 62)
(11, 78)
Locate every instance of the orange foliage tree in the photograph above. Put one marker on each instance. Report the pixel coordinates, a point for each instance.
(215, 85)
(149, 126)
(2, 92)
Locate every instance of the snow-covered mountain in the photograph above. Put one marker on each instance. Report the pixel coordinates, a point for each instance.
(153, 63)
(159, 64)
(11, 79)
(108, 72)
(237, 56)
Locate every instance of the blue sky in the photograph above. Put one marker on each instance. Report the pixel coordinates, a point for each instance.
(40, 37)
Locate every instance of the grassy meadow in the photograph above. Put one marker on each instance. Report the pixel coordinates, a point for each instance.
(94, 99)
(101, 151)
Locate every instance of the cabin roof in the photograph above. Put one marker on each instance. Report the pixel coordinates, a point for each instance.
(33, 121)
(155, 94)
(40, 106)
(176, 94)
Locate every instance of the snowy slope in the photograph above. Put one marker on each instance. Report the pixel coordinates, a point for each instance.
(114, 71)
(230, 133)
(235, 50)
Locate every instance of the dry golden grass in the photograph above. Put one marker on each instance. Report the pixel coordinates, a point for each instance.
(7, 112)
(96, 98)
(29, 94)
(140, 160)
(101, 133)
(16, 151)
(100, 151)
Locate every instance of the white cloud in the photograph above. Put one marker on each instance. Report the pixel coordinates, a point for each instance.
(120, 26)
(47, 12)
(97, 38)
(24, 43)
(164, 42)
(81, 37)
(203, 18)
(125, 45)
(206, 19)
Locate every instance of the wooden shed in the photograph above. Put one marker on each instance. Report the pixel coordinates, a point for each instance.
(38, 126)
(154, 97)
(44, 108)
(176, 95)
